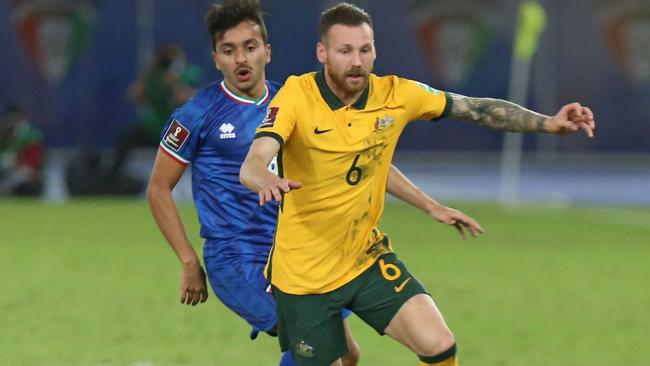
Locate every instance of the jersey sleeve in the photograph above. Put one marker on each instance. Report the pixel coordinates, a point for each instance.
(426, 102)
(181, 135)
(280, 118)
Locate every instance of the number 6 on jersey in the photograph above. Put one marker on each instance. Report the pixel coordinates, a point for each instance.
(353, 177)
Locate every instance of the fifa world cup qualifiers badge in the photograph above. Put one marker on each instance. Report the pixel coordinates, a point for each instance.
(176, 135)
(269, 119)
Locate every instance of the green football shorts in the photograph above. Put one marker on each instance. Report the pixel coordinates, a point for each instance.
(311, 326)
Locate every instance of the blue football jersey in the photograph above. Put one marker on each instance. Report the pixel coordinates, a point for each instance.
(213, 132)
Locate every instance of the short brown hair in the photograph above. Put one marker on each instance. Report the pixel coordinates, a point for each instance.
(345, 14)
(220, 18)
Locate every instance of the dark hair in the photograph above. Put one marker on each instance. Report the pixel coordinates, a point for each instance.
(220, 18)
(345, 14)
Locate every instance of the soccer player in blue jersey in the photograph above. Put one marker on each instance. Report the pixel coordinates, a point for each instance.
(213, 132)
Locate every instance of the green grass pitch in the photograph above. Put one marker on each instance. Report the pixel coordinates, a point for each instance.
(93, 283)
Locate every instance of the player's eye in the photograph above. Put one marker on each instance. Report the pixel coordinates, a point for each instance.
(251, 48)
(227, 51)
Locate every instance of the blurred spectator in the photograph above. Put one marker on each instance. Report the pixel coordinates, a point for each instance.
(21, 153)
(168, 83)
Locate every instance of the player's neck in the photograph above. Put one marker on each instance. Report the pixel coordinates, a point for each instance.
(345, 97)
(254, 94)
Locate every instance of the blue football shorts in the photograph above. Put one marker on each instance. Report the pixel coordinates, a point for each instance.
(238, 281)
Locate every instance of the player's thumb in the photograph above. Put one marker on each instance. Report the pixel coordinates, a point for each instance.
(567, 124)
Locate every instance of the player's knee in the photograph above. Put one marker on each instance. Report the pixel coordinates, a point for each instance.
(351, 358)
(440, 357)
(437, 345)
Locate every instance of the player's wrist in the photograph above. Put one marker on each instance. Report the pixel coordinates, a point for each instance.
(190, 261)
(549, 125)
(434, 209)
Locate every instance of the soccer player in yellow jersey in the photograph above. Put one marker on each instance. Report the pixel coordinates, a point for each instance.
(335, 131)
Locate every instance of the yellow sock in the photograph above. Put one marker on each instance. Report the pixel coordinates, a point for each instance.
(451, 361)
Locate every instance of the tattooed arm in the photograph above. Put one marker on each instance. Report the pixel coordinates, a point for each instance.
(503, 115)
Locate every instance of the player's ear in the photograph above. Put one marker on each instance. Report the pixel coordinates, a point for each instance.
(321, 52)
(268, 53)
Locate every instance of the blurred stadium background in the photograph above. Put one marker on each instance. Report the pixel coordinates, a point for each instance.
(69, 65)
(90, 282)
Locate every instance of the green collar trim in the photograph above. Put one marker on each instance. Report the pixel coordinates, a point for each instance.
(332, 100)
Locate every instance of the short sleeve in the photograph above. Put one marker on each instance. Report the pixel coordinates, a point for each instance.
(280, 118)
(426, 102)
(181, 134)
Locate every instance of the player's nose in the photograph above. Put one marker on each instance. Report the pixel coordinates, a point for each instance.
(356, 58)
(240, 57)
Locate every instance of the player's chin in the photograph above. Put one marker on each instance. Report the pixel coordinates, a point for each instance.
(355, 87)
(357, 83)
(245, 85)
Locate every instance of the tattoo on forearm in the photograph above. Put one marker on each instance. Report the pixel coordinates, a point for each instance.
(497, 114)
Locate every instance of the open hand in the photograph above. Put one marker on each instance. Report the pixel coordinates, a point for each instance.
(274, 188)
(457, 219)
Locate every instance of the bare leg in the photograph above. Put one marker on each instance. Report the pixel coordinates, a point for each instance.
(419, 325)
(352, 357)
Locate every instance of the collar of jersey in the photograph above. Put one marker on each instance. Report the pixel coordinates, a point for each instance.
(332, 100)
(244, 100)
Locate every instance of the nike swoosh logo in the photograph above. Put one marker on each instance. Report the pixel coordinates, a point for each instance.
(399, 288)
(318, 132)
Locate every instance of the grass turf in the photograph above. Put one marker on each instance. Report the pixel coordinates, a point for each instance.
(92, 282)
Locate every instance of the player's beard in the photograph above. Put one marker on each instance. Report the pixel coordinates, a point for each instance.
(343, 83)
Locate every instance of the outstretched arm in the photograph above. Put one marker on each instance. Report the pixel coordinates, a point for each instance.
(255, 175)
(399, 186)
(503, 115)
(166, 173)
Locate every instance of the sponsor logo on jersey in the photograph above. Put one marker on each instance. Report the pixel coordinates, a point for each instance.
(176, 135)
(318, 132)
(227, 131)
(269, 119)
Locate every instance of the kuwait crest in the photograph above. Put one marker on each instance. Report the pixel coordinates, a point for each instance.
(626, 25)
(454, 35)
(53, 32)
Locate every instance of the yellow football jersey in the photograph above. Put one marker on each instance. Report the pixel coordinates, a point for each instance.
(327, 230)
